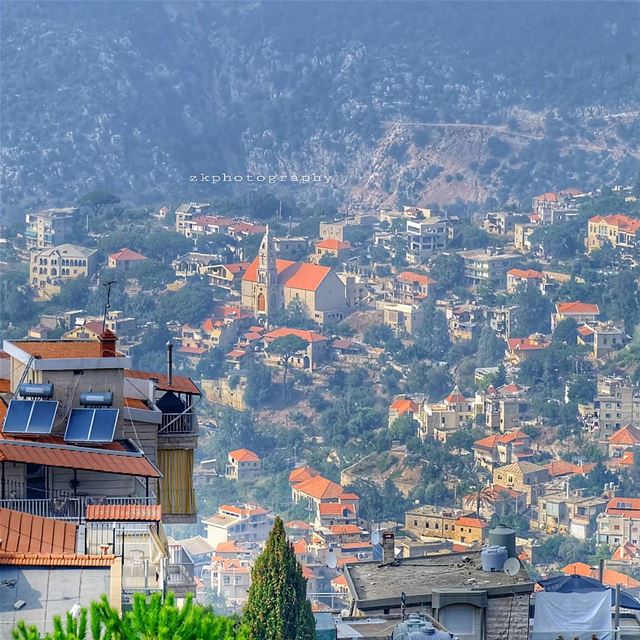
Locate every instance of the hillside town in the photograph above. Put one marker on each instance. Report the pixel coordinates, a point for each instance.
(443, 408)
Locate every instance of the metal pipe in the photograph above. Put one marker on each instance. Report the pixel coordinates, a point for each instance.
(170, 362)
(601, 569)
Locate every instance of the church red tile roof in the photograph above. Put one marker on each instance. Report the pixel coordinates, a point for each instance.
(295, 275)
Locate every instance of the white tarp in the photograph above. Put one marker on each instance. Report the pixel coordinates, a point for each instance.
(572, 615)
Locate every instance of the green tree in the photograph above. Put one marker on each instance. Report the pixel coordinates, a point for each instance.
(277, 607)
(566, 331)
(286, 347)
(448, 270)
(533, 312)
(432, 335)
(259, 384)
(212, 364)
(491, 348)
(98, 200)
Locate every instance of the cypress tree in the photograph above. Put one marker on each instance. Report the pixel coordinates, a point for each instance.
(277, 607)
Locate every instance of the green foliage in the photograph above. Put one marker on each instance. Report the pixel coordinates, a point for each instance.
(594, 481)
(435, 382)
(286, 347)
(533, 313)
(491, 348)
(432, 336)
(212, 364)
(294, 316)
(150, 619)
(188, 305)
(566, 331)
(377, 334)
(562, 550)
(259, 389)
(448, 270)
(403, 428)
(277, 607)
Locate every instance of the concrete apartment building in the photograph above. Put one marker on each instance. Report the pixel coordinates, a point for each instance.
(426, 237)
(488, 266)
(429, 521)
(49, 227)
(50, 268)
(238, 523)
(185, 213)
(620, 523)
(570, 512)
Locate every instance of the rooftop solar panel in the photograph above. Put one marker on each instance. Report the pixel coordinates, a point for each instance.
(30, 416)
(91, 425)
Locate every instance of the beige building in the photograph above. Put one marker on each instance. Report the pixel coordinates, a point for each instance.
(602, 337)
(238, 523)
(408, 287)
(617, 230)
(270, 284)
(581, 312)
(620, 523)
(431, 521)
(308, 358)
(243, 465)
(570, 513)
(517, 277)
(526, 477)
(51, 268)
(441, 419)
(403, 318)
(333, 248)
(488, 266)
(522, 236)
(503, 449)
(49, 227)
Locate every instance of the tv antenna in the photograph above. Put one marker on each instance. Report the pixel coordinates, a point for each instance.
(107, 304)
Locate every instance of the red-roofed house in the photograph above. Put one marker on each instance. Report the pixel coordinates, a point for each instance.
(623, 439)
(300, 474)
(270, 284)
(618, 230)
(448, 416)
(620, 523)
(516, 277)
(226, 276)
(403, 406)
(520, 349)
(125, 259)
(243, 465)
(333, 248)
(500, 449)
(581, 312)
(309, 358)
(331, 513)
(238, 523)
(408, 287)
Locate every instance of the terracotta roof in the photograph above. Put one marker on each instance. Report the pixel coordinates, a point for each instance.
(69, 457)
(300, 546)
(510, 388)
(309, 336)
(237, 267)
(244, 455)
(345, 529)
(54, 349)
(363, 544)
(339, 581)
(512, 436)
(472, 521)
(55, 560)
(180, 384)
(297, 524)
(24, 533)
(4, 355)
(126, 255)
(404, 405)
(625, 552)
(228, 547)
(585, 330)
(527, 344)
(194, 351)
(550, 196)
(577, 307)
(488, 442)
(300, 474)
(628, 435)
(5, 385)
(135, 403)
(622, 222)
(610, 578)
(319, 488)
(347, 560)
(333, 244)
(125, 512)
(295, 275)
(625, 507)
(211, 323)
(336, 509)
(236, 353)
(412, 276)
(455, 397)
(349, 496)
(528, 274)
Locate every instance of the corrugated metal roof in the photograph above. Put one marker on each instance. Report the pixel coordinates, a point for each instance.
(69, 457)
(24, 533)
(122, 512)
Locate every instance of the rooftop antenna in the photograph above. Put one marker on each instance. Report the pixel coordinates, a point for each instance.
(107, 304)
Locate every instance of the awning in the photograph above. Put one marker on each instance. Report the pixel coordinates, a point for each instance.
(81, 458)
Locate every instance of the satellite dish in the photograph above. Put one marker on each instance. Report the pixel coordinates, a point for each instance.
(511, 566)
(375, 537)
(332, 560)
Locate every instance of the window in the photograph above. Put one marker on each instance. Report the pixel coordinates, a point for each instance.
(458, 618)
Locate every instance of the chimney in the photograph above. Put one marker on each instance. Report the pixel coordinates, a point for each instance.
(388, 548)
(108, 342)
(170, 362)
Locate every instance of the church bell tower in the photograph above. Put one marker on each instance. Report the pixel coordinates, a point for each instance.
(266, 290)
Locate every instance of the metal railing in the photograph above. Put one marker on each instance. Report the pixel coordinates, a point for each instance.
(69, 507)
(180, 574)
(178, 423)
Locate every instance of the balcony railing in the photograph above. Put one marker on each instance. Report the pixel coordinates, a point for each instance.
(178, 424)
(69, 507)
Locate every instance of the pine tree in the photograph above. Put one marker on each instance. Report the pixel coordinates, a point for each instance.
(277, 607)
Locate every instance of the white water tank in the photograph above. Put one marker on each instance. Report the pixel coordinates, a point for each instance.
(493, 558)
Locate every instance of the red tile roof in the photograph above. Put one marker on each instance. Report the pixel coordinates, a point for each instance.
(319, 488)
(180, 384)
(577, 307)
(528, 274)
(610, 578)
(625, 507)
(309, 336)
(125, 512)
(412, 276)
(455, 397)
(550, 196)
(298, 524)
(237, 267)
(628, 435)
(300, 474)
(69, 457)
(622, 222)
(472, 521)
(193, 351)
(345, 529)
(126, 255)
(527, 344)
(333, 244)
(244, 455)
(55, 560)
(54, 349)
(135, 403)
(295, 275)
(336, 509)
(404, 405)
(24, 533)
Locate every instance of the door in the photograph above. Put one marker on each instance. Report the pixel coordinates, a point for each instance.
(36, 481)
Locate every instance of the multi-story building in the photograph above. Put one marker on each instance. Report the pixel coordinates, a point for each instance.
(522, 476)
(185, 213)
(230, 579)
(408, 287)
(49, 227)
(504, 407)
(430, 521)
(571, 513)
(331, 248)
(521, 349)
(504, 449)
(517, 277)
(555, 207)
(620, 523)
(465, 321)
(618, 230)
(82, 427)
(616, 404)
(441, 419)
(488, 266)
(602, 337)
(404, 318)
(522, 236)
(50, 268)
(623, 440)
(426, 237)
(238, 523)
(243, 465)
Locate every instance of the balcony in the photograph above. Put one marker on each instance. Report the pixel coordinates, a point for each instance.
(178, 424)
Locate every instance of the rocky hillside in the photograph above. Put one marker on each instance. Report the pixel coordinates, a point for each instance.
(428, 102)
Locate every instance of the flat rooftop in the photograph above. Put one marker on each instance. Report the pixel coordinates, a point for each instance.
(374, 585)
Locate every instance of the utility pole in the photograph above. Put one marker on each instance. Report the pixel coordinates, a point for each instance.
(107, 304)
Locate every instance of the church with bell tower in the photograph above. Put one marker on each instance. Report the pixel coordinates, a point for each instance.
(265, 292)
